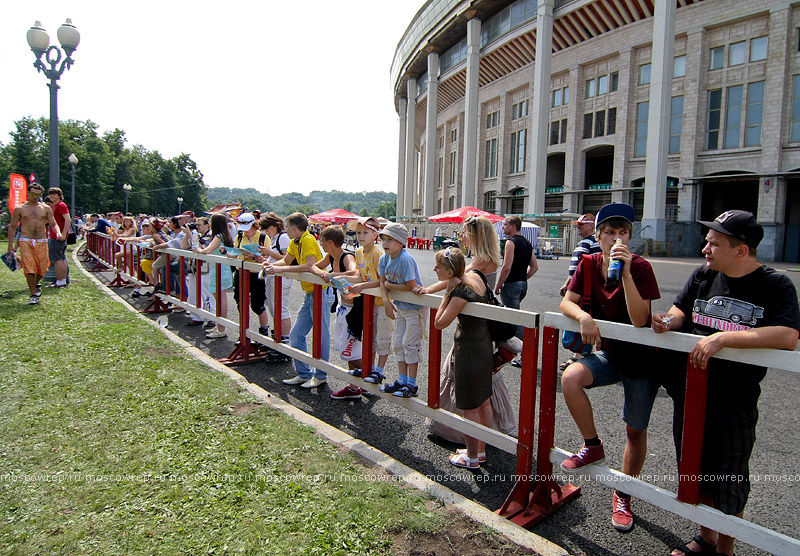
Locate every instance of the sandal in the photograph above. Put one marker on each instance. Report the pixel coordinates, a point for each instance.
(375, 377)
(481, 455)
(406, 391)
(463, 461)
(706, 549)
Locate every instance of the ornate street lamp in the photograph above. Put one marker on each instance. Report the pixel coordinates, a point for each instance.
(180, 200)
(39, 41)
(127, 187)
(73, 160)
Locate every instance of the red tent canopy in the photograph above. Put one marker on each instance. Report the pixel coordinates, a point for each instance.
(339, 216)
(461, 214)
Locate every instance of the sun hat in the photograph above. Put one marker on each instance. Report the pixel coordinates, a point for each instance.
(368, 221)
(396, 231)
(245, 221)
(739, 224)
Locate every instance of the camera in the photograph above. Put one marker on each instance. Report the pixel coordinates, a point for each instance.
(191, 226)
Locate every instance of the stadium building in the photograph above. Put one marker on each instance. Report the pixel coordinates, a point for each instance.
(683, 108)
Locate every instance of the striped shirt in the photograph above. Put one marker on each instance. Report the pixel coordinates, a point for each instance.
(585, 246)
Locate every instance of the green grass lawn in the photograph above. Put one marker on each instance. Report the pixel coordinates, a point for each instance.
(112, 441)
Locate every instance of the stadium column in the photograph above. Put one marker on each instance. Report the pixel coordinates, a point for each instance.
(654, 225)
(429, 187)
(469, 175)
(401, 162)
(411, 151)
(541, 107)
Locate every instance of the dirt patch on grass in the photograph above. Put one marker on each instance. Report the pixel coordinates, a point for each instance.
(461, 537)
(243, 408)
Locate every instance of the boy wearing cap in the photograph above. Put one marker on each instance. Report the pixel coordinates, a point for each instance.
(368, 257)
(734, 301)
(586, 246)
(247, 233)
(305, 250)
(398, 272)
(625, 301)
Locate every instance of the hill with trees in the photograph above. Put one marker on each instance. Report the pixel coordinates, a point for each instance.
(374, 203)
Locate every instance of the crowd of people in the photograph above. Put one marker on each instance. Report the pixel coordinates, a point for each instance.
(730, 277)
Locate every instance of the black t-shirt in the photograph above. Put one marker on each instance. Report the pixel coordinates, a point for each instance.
(714, 302)
(523, 250)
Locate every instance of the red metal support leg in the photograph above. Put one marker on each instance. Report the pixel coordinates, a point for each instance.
(277, 314)
(244, 352)
(316, 348)
(694, 418)
(434, 363)
(367, 336)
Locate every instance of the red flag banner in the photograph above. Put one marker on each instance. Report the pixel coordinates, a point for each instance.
(17, 191)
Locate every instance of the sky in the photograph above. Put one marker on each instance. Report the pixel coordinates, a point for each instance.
(279, 96)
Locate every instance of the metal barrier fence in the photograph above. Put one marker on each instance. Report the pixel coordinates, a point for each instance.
(534, 496)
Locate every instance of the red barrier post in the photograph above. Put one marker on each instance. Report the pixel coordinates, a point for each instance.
(694, 416)
(182, 285)
(367, 336)
(316, 348)
(198, 284)
(167, 273)
(245, 351)
(277, 315)
(434, 363)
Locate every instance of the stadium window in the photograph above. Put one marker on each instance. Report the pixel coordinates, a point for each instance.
(642, 114)
(795, 131)
(644, 74)
(491, 159)
(679, 66)
(758, 49)
(518, 151)
(717, 57)
(591, 88)
(755, 114)
(675, 124)
(600, 123)
(492, 119)
(587, 125)
(614, 82)
(736, 53)
(564, 131)
(714, 119)
(611, 124)
(733, 117)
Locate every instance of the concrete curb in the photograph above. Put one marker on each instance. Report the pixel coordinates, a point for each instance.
(510, 530)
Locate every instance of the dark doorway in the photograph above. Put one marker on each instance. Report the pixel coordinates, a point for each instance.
(719, 196)
(598, 177)
(791, 243)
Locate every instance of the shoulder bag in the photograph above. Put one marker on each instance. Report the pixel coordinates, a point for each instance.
(499, 331)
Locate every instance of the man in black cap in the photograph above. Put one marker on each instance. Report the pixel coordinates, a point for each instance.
(734, 301)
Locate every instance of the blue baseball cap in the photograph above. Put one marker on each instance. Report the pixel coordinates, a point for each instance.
(615, 210)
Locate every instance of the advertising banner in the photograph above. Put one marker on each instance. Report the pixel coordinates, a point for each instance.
(17, 191)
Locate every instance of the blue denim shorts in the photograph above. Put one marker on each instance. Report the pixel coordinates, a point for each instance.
(640, 393)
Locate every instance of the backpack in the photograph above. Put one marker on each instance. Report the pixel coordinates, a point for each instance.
(262, 237)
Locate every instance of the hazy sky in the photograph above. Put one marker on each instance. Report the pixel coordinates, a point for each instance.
(280, 96)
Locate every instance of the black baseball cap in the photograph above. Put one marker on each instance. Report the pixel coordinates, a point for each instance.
(739, 224)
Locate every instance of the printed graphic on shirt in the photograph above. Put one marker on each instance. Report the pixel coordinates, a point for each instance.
(726, 313)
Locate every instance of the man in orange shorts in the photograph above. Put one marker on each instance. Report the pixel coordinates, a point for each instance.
(33, 215)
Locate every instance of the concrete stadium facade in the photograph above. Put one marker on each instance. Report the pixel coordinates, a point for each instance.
(684, 109)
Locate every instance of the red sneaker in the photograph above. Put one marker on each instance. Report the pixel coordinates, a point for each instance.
(621, 515)
(348, 393)
(587, 456)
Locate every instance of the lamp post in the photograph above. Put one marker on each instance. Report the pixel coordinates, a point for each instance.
(39, 41)
(73, 160)
(127, 187)
(180, 200)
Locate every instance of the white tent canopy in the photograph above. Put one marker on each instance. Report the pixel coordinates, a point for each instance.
(529, 230)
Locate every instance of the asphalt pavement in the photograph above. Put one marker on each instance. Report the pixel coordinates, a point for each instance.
(584, 525)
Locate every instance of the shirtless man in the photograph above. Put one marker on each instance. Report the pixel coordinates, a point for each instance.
(32, 241)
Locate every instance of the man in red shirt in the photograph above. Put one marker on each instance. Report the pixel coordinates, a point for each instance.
(57, 244)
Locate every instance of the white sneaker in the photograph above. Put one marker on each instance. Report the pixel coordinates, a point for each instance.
(34, 299)
(294, 381)
(313, 382)
(214, 334)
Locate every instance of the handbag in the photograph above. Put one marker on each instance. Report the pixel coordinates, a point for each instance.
(572, 340)
(498, 331)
